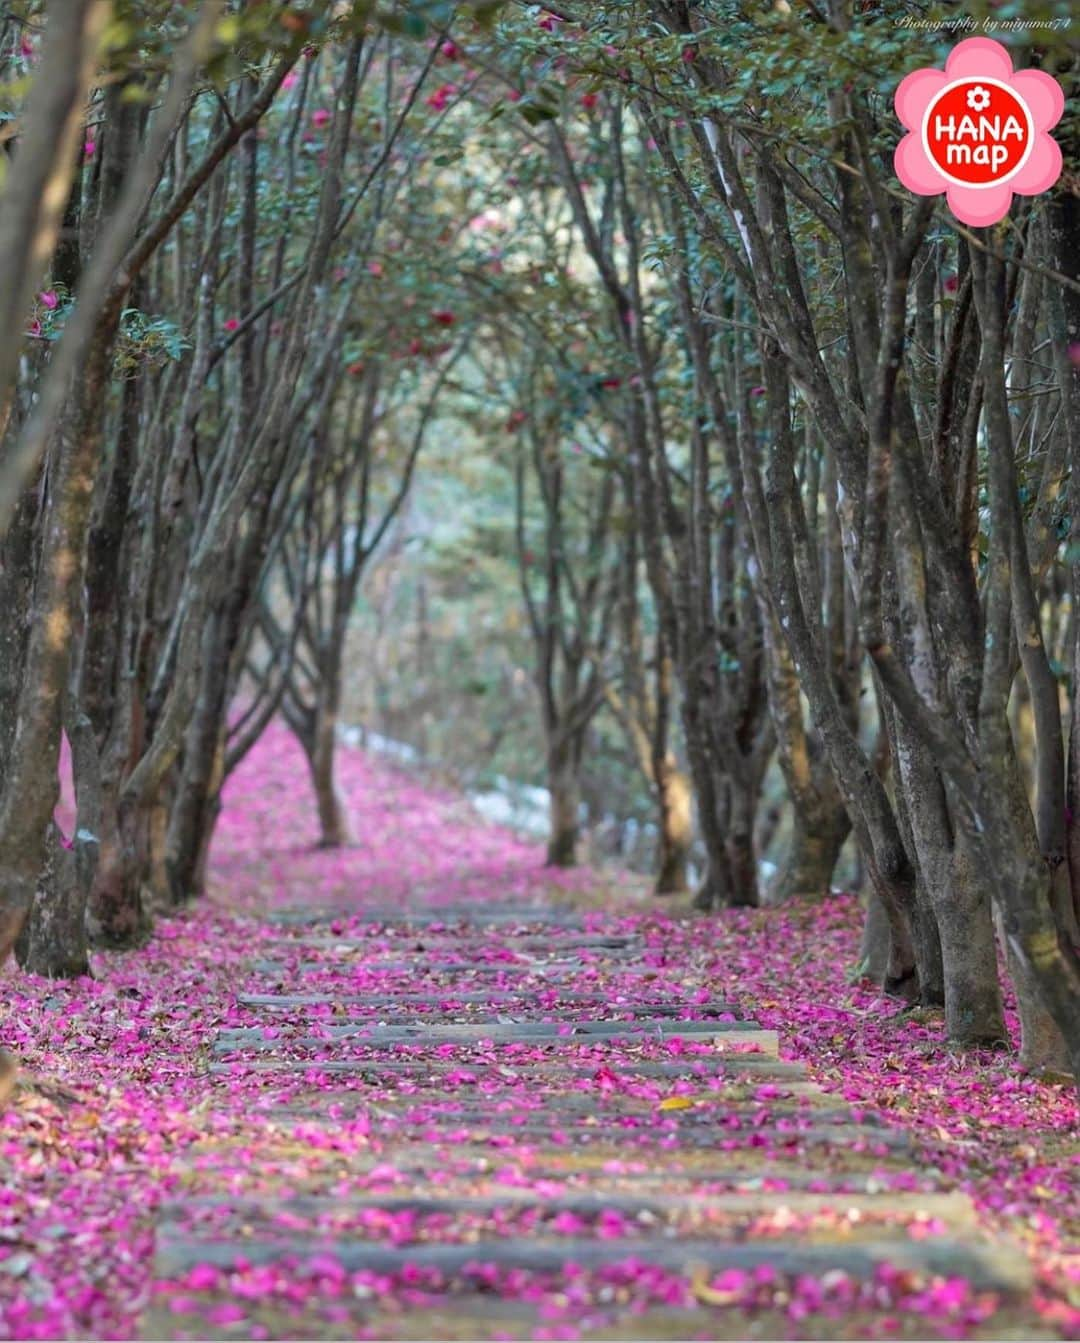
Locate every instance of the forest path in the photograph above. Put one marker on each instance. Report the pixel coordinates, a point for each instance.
(476, 1117)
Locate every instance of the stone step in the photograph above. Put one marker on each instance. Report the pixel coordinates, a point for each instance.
(474, 1317)
(490, 998)
(470, 939)
(988, 1266)
(751, 1067)
(841, 1136)
(720, 1113)
(953, 1209)
(418, 970)
(478, 1172)
(365, 1035)
(477, 914)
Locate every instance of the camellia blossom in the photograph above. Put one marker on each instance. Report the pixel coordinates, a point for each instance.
(438, 100)
(978, 131)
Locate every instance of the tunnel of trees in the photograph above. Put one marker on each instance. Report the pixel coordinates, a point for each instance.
(745, 481)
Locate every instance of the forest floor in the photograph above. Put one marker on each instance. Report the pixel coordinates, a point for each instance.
(422, 1087)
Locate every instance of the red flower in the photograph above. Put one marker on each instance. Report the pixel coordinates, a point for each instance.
(517, 417)
(611, 383)
(449, 50)
(437, 101)
(950, 284)
(233, 324)
(356, 368)
(589, 101)
(320, 117)
(444, 317)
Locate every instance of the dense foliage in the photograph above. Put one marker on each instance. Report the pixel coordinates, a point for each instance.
(575, 390)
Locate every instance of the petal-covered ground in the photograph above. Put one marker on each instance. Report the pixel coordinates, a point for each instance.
(177, 1077)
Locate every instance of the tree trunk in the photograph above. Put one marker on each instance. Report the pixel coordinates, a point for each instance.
(565, 792)
(715, 887)
(739, 845)
(676, 829)
(973, 1008)
(188, 815)
(53, 939)
(1043, 1043)
(16, 598)
(31, 786)
(873, 963)
(334, 828)
(820, 820)
(816, 840)
(118, 911)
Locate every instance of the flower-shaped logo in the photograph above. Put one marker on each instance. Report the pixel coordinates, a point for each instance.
(978, 132)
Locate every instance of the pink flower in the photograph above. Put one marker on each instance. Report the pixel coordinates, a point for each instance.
(375, 268)
(1074, 353)
(89, 149)
(320, 117)
(233, 324)
(289, 82)
(978, 131)
(48, 299)
(202, 1276)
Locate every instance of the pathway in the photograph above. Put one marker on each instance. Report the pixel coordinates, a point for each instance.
(570, 1131)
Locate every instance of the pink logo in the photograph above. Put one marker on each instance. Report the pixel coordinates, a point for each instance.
(978, 132)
